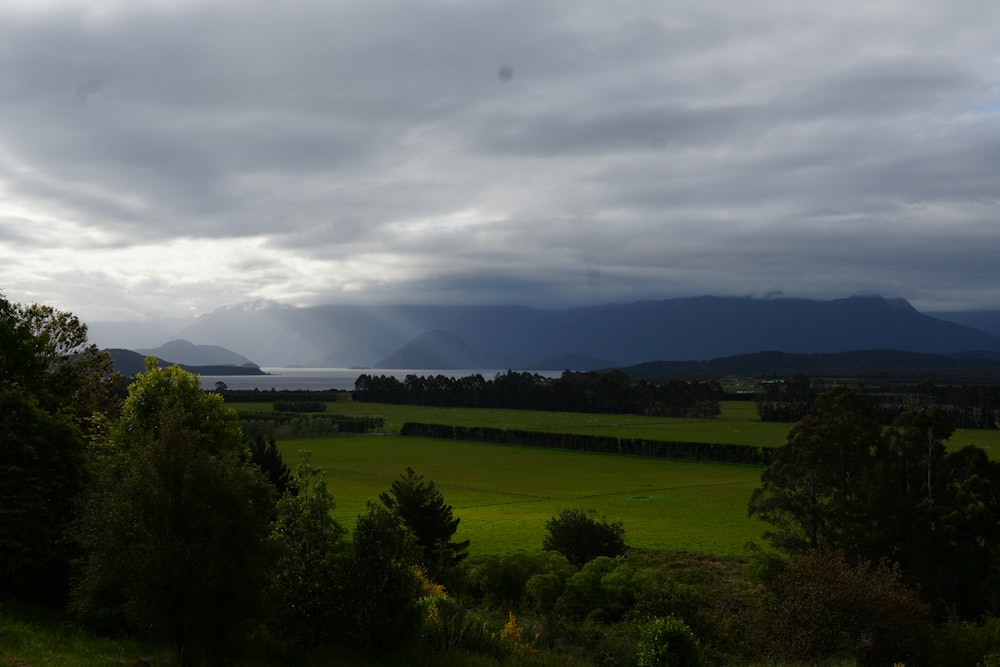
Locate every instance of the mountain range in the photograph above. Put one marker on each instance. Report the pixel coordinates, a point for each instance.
(186, 353)
(685, 329)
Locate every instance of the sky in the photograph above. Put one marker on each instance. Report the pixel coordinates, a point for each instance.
(162, 158)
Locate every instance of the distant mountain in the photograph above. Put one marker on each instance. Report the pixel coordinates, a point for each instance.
(867, 364)
(130, 363)
(571, 362)
(185, 352)
(518, 337)
(434, 349)
(984, 320)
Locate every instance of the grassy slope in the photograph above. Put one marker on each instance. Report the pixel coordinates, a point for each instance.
(42, 638)
(504, 495)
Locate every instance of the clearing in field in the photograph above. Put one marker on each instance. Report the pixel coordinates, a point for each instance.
(504, 495)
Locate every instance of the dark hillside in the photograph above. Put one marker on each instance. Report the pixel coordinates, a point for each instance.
(872, 364)
(516, 337)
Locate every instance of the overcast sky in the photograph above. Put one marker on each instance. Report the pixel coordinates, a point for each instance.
(169, 157)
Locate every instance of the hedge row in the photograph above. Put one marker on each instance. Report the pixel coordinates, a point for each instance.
(345, 423)
(659, 449)
(258, 395)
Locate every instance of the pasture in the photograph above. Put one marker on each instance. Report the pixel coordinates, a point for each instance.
(738, 424)
(504, 495)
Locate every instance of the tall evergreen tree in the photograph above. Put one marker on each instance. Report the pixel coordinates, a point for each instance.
(422, 508)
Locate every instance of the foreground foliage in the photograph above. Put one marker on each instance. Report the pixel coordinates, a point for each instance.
(56, 395)
(843, 484)
(173, 531)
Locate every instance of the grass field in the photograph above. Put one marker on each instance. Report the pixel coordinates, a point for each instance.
(504, 495)
(738, 424)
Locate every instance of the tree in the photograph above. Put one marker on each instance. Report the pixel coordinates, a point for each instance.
(306, 586)
(581, 538)
(840, 485)
(813, 490)
(382, 583)
(42, 471)
(422, 508)
(174, 531)
(77, 375)
(266, 456)
(53, 389)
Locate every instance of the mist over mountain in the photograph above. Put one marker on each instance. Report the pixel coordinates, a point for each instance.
(434, 349)
(694, 328)
(185, 352)
(129, 363)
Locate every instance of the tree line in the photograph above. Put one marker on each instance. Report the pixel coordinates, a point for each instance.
(604, 392)
(596, 444)
(967, 406)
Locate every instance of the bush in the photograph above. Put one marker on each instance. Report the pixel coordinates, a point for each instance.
(823, 607)
(504, 580)
(580, 537)
(604, 588)
(965, 644)
(447, 626)
(668, 642)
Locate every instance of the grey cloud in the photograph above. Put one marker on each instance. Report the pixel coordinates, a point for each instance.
(635, 150)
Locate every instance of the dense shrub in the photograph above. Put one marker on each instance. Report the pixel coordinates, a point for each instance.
(503, 580)
(604, 589)
(965, 644)
(448, 625)
(580, 537)
(823, 607)
(668, 642)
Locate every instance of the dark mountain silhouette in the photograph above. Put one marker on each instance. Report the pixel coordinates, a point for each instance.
(865, 364)
(434, 349)
(185, 352)
(516, 336)
(130, 364)
(571, 362)
(984, 320)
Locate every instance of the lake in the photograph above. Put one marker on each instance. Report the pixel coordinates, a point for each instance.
(318, 379)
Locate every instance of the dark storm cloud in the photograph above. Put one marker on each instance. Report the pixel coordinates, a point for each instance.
(204, 152)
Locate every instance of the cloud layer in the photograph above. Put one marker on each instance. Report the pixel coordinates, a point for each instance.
(173, 157)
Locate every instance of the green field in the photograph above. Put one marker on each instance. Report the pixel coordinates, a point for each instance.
(738, 424)
(504, 495)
